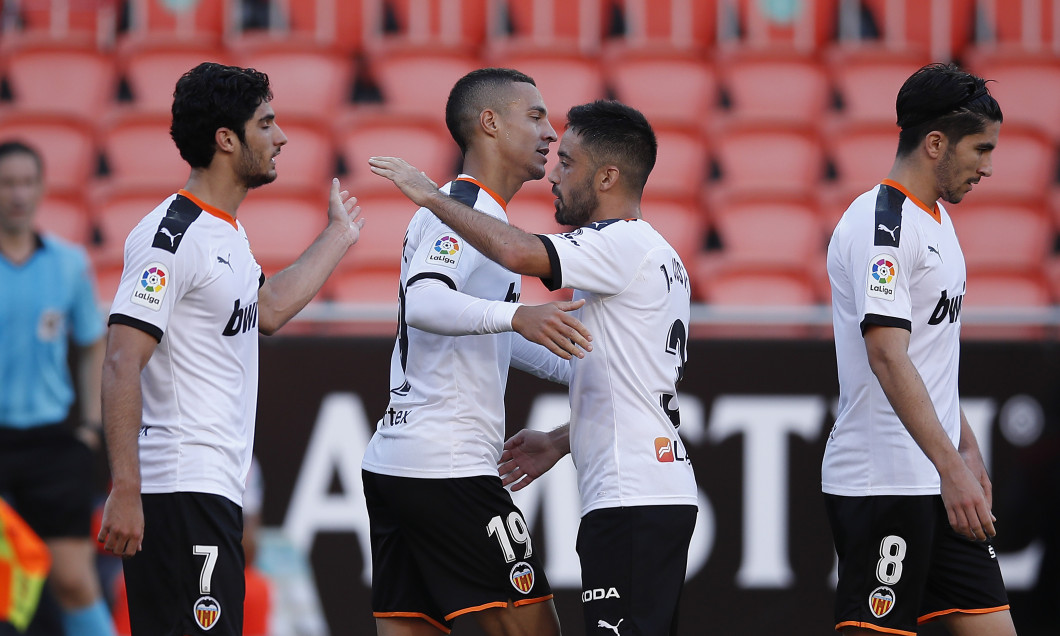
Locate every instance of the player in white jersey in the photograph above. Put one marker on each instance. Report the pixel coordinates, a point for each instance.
(906, 489)
(181, 368)
(639, 496)
(447, 540)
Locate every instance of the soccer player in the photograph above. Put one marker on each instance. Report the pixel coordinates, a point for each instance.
(47, 300)
(638, 491)
(907, 493)
(181, 367)
(447, 540)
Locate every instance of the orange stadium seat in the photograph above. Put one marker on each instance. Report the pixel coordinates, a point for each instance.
(306, 80)
(920, 24)
(204, 19)
(565, 79)
(444, 23)
(66, 144)
(862, 155)
(151, 69)
(534, 210)
(65, 217)
(87, 77)
(338, 23)
(797, 26)
(534, 292)
(116, 213)
(107, 279)
(1002, 235)
(754, 286)
(1024, 164)
(769, 230)
(364, 286)
(140, 153)
(681, 167)
(1026, 85)
(1021, 24)
(683, 225)
(308, 158)
(774, 86)
(420, 142)
(387, 218)
(547, 23)
(89, 21)
(769, 158)
(418, 82)
(281, 224)
(867, 80)
(670, 89)
(996, 295)
(673, 24)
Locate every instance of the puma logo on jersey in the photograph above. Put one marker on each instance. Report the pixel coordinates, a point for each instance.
(172, 237)
(883, 227)
(228, 262)
(614, 628)
(932, 249)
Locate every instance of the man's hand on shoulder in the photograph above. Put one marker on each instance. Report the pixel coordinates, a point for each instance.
(414, 184)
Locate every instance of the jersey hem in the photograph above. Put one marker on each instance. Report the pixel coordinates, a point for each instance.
(170, 490)
(675, 500)
(420, 615)
(918, 491)
(875, 628)
(985, 610)
(136, 323)
(399, 471)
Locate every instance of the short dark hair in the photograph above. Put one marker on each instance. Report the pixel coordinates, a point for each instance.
(471, 94)
(16, 147)
(615, 133)
(945, 98)
(212, 96)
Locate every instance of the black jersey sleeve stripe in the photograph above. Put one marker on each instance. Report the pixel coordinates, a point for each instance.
(136, 323)
(261, 280)
(552, 283)
(885, 321)
(888, 230)
(465, 192)
(435, 275)
(171, 229)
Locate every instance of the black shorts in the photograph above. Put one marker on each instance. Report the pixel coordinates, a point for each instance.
(188, 579)
(46, 475)
(901, 564)
(633, 567)
(445, 547)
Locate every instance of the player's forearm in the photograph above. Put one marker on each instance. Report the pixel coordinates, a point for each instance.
(513, 248)
(290, 290)
(122, 407)
(559, 438)
(908, 396)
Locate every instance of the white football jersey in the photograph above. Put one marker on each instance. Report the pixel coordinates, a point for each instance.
(895, 262)
(446, 413)
(191, 282)
(624, 411)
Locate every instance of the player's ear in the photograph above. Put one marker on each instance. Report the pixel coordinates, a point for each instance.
(226, 139)
(935, 144)
(489, 122)
(607, 177)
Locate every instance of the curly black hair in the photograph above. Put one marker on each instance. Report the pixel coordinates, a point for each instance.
(212, 96)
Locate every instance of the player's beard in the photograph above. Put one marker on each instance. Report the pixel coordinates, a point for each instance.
(249, 170)
(946, 178)
(577, 206)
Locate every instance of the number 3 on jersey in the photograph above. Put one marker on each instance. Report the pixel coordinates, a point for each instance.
(517, 530)
(892, 552)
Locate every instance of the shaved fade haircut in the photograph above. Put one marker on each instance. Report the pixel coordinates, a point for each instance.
(473, 93)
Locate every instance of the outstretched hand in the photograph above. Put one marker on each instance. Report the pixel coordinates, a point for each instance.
(527, 455)
(414, 184)
(344, 212)
(552, 326)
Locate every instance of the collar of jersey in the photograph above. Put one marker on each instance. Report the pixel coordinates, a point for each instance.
(209, 209)
(496, 197)
(933, 211)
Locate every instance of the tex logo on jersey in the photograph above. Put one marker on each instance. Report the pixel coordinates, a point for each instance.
(446, 251)
(522, 577)
(206, 610)
(883, 276)
(151, 288)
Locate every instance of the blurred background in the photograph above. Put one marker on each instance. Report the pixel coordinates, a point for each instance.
(772, 115)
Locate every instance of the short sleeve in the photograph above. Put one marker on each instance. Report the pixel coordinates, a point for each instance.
(585, 259)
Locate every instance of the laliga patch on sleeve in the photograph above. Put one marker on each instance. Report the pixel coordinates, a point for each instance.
(149, 290)
(446, 251)
(883, 276)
